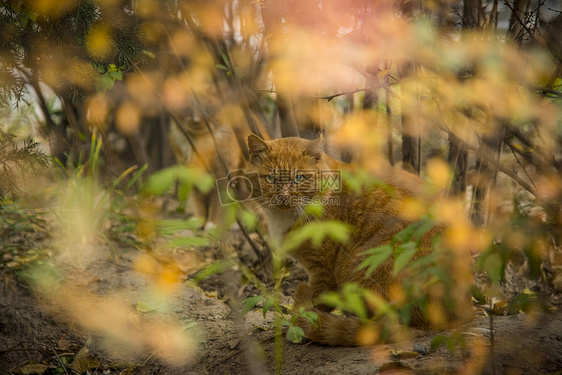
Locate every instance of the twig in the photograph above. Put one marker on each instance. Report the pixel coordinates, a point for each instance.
(519, 162)
(61, 362)
(252, 245)
(480, 152)
(531, 34)
(373, 93)
(327, 97)
(65, 367)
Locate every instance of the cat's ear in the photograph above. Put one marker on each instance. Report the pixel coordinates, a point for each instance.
(315, 147)
(256, 145)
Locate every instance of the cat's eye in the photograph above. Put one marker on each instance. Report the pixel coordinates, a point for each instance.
(270, 178)
(299, 178)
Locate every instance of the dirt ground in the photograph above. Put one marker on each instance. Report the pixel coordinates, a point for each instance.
(83, 323)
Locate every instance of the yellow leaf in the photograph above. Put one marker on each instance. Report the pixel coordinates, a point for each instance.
(382, 73)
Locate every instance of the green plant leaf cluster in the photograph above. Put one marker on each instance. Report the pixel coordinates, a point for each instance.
(162, 181)
(316, 232)
(295, 333)
(17, 161)
(403, 245)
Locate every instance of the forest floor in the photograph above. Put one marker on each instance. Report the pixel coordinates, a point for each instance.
(96, 325)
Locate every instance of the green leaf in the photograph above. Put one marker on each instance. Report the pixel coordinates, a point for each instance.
(314, 209)
(116, 75)
(317, 232)
(295, 334)
(183, 191)
(250, 303)
(354, 302)
(425, 225)
(423, 261)
(159, 182)
(311, 316)
(493, 265)
(202, 180)
(107, 82)
(451, 344)
(144, 307)
(29, 14)
(149, 54)
(249, 219)
(222, 67)
(225, 60)
(406, 314)
(377, 255)
(190, 241)
(137, 176)
(331, 299)
(211, 269)
(404, 254)
(267, 305)
(405, 235)
(172, 226)
(436, 342)
(285, 323)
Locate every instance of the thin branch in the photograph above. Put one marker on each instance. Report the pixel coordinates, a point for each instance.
(512, 148)
(479, 151)
(522, 23)
(373, 93)
(328, 97)
(185, 133)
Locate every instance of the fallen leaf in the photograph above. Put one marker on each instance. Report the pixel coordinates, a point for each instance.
(82, 361)
(212, 294)
(395, 367)
(31, 369)
(500, 307)
(233, 343)
(63, 344)
(402, 354)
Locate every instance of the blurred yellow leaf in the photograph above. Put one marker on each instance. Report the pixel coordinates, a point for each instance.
(99, 42)
(128, 118)
(382, 73)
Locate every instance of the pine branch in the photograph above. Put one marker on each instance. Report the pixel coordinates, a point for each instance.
(15, 160)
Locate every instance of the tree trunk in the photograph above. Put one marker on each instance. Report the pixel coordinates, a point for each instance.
(518, 15)
(458, 157)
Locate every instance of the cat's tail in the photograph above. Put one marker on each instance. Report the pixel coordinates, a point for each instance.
(340, 330)
(337, 330)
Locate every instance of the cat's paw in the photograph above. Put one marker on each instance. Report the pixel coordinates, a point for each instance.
(209, 226)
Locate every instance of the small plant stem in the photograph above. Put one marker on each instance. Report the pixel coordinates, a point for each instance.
(492, 339)
(279, 349)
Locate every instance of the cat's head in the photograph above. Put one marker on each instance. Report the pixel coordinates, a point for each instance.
(287, 170)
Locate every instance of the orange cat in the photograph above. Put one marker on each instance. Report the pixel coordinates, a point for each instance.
(289, 171)
(205, 205)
